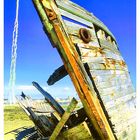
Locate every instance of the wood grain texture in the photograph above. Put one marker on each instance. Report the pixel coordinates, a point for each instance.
(81, 131)
(106, 81)
(63, 120)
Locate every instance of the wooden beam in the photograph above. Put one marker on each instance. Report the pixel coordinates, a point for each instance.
(63, 120)
(57, 75)
(79, 132)
(53, 103)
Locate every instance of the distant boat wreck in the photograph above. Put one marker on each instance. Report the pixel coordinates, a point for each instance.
(99, 73)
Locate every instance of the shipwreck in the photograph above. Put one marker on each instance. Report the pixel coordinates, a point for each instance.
(99, 74)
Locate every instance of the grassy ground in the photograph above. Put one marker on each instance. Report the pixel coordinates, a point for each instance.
(15, 121)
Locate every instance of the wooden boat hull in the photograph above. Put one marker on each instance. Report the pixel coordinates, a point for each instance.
(98, 71)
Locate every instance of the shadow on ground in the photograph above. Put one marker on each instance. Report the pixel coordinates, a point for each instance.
(21, 132)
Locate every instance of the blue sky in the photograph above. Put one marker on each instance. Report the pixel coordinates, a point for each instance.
(37, 59)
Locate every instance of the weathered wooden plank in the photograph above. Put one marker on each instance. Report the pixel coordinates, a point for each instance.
(113, 82)
(20, 102)
(106, 66)
(105, 43)
(109, 54)
(112, 95)
(88, 53)
(107, 99)
(108, 72)
(46, 121)
(98, 79)
(104, 77)
(76, 40)
(44, 130)
(63, 120)
(54, 104)
(57, 75)
(101, 34)
(118, 111)
(41, 107)
(78, 116)
(57, 115)
(73, 29)
(128, 133)
(101, 49)
(81, 132)
(129, 103)
(46, 23)
(119, 101)
(88, 46)
(93, 55)
(66, 6)
(93, 59)
(43, 123)
(109, 49)
(74, 6)
(120, 116)
(116, 90)
(123, 119)
(109, 39)
(76, 18)
(124, 124)
(54, 119)
(26, 101)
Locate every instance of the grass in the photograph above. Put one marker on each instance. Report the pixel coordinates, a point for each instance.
(15, 121)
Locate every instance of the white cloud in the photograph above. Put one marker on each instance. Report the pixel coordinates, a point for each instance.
(25, 87)
(66, 88)
(55, 91)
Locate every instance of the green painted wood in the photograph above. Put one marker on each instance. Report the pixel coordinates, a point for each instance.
(66, 6)
(46, 22)
(63, 120)
(81, 131)
(76, 18)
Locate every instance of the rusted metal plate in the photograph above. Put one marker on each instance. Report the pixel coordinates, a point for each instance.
(95, 65)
